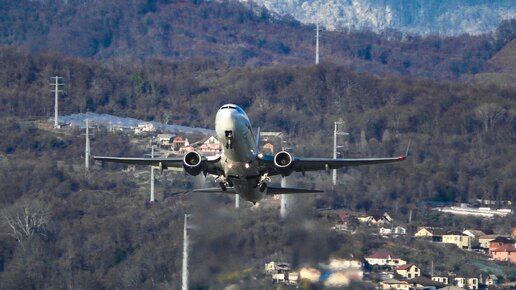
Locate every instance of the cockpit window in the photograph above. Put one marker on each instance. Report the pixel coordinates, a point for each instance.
(234, 107)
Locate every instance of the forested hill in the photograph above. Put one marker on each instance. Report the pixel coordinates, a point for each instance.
(232, 33)
(465, 132)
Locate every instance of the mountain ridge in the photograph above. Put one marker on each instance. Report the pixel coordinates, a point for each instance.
(421, 17)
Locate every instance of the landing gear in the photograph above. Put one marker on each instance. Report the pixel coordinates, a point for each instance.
(224, 183)
(229, 137)
(262, 183)
(263, 186)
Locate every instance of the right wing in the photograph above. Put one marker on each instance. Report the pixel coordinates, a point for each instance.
(210, 164)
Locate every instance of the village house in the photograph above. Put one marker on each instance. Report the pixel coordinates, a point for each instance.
(441, 279)
(309, 274)
(498, 242)
(504, 253)
(392, 231)
(210, 146)
(491, 280)
(423, 282)
(145, 128)
(268, 149)
(408, 271)
(485, 239)
(393, 284)
(376, 218)
(180, 143)
(276, 267)
(382, 257)
(165, 140)
(466, 282)
(434, 234)
(473, 234)
(457, 238)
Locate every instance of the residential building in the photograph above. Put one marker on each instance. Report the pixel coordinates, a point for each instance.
(165, 140)
(276, 267)
(485, 239)
(466, 282)
(491, 280)
(500, 241)
(457, 238)
(376, 218)
(435, 234)
(293, 278)
(179, 143)
(145, 128)
(392, 231)
(408, 271)
(382, 257)
(473, 234)
(504, 253)
(309, 274)
(210, 146)
(393, 284)
(424, 282)
(441, 279)
(268, 148)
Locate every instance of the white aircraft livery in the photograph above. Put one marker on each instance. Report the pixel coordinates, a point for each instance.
(241, 168)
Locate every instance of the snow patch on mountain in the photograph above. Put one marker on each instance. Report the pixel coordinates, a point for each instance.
(413, 16)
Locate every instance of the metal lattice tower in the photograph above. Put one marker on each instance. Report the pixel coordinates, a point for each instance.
(336, 133)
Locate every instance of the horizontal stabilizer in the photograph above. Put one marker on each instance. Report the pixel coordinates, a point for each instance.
(229, 190)
(289, 190)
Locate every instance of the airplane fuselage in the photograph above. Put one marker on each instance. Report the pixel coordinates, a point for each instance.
(238, 159)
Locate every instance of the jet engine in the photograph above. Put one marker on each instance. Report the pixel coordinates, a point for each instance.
(283, 162)
(192, 163)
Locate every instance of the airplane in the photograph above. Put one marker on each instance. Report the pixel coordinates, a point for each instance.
(241, 168)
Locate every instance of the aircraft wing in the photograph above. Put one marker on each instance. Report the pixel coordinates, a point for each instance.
(211, 164)
(166, 162)
(302, 164)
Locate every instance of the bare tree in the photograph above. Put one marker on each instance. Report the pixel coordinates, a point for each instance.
(489, 114)
(27, 220)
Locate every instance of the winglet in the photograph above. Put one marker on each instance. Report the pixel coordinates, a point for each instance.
(403, 157)
(408, 148)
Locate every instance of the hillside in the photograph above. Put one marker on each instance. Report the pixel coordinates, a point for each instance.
(501, 68)
(232, 33)
(416, 16)
(96, 230)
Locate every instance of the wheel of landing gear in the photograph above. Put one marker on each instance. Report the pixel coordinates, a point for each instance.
(223, 186)
(263, 186)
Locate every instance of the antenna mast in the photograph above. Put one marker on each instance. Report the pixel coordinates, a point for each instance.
(56, 90)
(87, 147)
(317, 44)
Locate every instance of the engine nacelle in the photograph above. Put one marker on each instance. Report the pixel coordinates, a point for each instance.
(192, 163)
(283, 162)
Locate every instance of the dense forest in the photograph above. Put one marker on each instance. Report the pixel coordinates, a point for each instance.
(232, 33)
(176, 62)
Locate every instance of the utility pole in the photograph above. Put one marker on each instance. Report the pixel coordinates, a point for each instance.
(283, 201)
(87, 147)
(56, 90)
(185, 254)
(152, 178)
(317, 44)
(335, 134)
